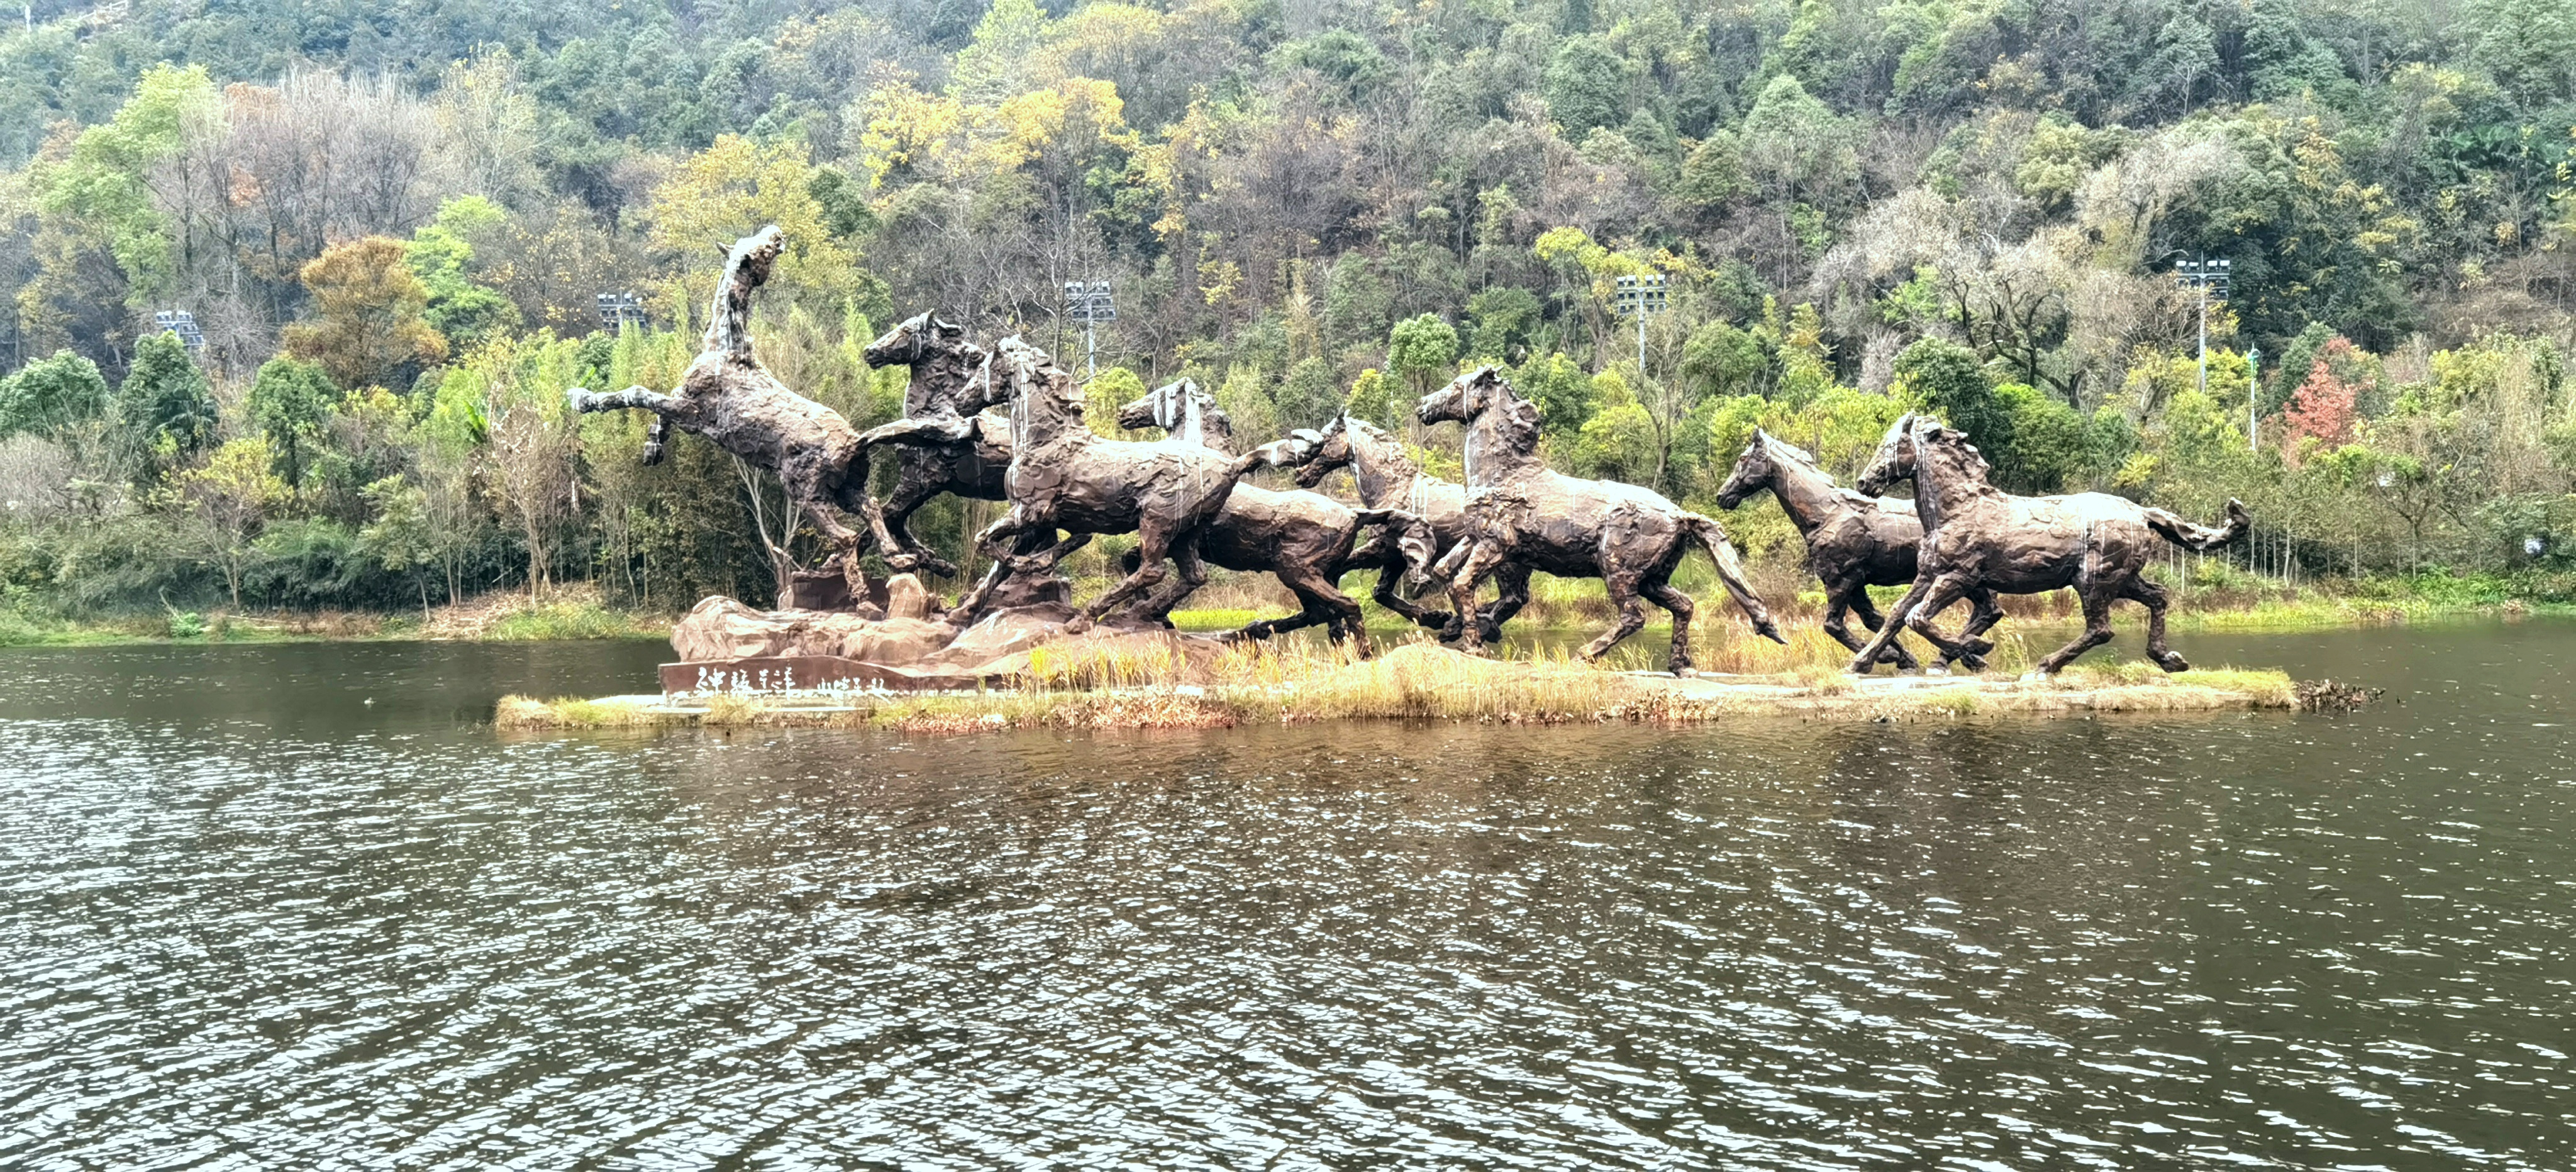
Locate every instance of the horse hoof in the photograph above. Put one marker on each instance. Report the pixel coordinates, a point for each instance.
(1973, 662)
(2174, 663)
(1770, 630)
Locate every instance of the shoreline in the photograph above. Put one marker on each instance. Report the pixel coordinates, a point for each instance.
(577, 614)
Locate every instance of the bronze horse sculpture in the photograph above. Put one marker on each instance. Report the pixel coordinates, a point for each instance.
(1387, 478)
(1304, 539)
(1854, 541)
(1977, 537)
(1629, 537)
(958, 450)
(1063, 477)
(728, 398)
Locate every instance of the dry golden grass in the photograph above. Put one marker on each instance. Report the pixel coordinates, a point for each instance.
(1142, 686)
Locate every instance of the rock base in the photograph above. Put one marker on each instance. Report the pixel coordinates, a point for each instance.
(725, 646)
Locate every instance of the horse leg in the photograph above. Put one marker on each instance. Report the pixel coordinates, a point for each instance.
(1662, 594)
(1191, 573)
(2097, 629)
(892, 522)
(1153, 544)
(1512, 593)
(1028, 527)
(1855, 598)
(1866, 660)
(1919, 618)
(845, 541)
(1320, 601)
(1984, 612)
(1481, 559)
(634, 398)
(1632, 617)
(2152, 597)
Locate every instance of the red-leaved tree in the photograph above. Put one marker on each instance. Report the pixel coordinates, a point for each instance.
(2324, 405)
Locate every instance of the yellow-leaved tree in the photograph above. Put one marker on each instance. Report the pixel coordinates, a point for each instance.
(734, 188)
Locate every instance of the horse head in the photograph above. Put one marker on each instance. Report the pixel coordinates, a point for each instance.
(1331, 449)
(1481, 393)
(1183, 409)
(916, 338)
(1752, 472)
(1895, 458)
(1466, 397)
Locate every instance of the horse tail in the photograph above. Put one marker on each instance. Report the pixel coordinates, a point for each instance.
(2201, 538)
(1730, 573)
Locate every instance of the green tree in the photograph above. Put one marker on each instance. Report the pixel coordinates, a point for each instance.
(51, 395)
(1422, 351)
(438, 255)
(1949, 381)
(230, 496)
(1587, 86)
(290, 400)
(165, 410)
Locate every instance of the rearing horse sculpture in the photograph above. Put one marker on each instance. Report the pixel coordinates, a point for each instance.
(1976, 536)
(1304, 539)
(1062, 476)
(1629, 537)
(959, 450)
(730, 399)
(1853, 541)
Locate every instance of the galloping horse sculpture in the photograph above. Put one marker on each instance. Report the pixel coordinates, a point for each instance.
(1977, 537)
(1629, 537)
(1387, 478)
(960, 452)
(1062, 476)
(1302, 538)
(728, 398)
(1853, 541)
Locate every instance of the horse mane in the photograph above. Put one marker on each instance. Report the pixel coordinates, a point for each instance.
(1964, 461)
(1520, 416)
(1780, 447)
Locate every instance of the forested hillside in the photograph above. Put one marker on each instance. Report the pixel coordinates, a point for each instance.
(391, 224)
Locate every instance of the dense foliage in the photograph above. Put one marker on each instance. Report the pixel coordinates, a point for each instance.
(393, 224)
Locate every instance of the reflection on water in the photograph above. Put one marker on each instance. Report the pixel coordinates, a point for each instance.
(255, 921)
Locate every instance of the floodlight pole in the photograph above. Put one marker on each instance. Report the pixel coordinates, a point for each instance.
(2253, 394)
(2200, 275)
(1643, 297)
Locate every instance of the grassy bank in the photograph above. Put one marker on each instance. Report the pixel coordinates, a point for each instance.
(1296, 683)
(493, 618)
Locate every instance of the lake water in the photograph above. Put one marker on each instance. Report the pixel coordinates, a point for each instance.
(254, 920)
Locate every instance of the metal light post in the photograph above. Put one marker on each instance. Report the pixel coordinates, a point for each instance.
(1089, 304)
(184, 324)
(619, 310)
(2253, 393)
(2204, 275)
(1641, 298)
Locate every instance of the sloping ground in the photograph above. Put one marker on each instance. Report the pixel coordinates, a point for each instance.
(1421, 681)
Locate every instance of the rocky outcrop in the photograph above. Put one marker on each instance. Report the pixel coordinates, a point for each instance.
(719, 629)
